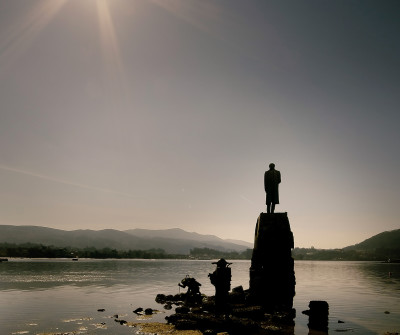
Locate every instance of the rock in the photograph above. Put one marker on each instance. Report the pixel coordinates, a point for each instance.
(115, 316)
(182, 310)
(243, 325)
(208, 304)
(171, 299)
(319, 306)
(281, 317)
(161, 298)
(237, 298)
(200, 321)
(179, 297)
(238, 289)
(168, 306)
(196, 310)
(101, 310)
(138, 310)
(184, 324)
(122, 322)
(252, 312)
(340, 321)
(148, 311)
(318, 315)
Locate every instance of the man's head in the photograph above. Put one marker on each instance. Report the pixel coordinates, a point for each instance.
(272, 166)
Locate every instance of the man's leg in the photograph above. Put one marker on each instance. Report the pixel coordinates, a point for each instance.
(269, 207)
(272, 208)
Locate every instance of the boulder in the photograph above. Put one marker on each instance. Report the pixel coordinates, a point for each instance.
(182, 310)
(148, 311)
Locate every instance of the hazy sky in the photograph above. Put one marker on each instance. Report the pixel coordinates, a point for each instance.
(166, 113)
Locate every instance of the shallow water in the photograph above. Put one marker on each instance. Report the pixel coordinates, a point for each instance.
(38, 296)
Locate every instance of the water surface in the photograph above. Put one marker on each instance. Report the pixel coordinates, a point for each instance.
(38, 296)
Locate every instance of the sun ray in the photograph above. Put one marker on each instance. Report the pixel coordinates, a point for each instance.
(111, 49)
(213, 19)
(63, 181)
(18, 38)
(200, 14)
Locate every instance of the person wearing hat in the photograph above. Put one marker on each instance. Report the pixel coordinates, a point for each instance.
(272, 179)
(221, 279)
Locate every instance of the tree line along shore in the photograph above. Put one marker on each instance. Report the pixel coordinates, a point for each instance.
(31, 250)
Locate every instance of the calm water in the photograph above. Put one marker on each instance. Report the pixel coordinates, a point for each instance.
(39, 296)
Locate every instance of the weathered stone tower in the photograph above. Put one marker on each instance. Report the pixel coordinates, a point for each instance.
(272, 279)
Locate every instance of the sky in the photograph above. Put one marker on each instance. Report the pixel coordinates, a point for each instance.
(165, 114)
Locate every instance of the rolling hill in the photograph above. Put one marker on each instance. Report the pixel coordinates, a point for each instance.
(177, 241)
(384, 240)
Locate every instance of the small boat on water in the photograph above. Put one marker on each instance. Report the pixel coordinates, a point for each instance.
(75, 258)
(3, 260)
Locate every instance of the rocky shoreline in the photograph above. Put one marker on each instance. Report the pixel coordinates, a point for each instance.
(197, 315)
(240, 317)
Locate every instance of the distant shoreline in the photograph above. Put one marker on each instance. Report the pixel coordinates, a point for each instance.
(31, 250)
(62, 259)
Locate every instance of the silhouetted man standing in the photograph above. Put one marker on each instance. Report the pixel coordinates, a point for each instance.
(221, 279)
(272, 178)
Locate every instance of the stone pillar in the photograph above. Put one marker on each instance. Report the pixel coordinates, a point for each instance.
(272, 279)
(318, 317)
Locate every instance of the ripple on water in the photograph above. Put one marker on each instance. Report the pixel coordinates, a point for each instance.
(47, 293)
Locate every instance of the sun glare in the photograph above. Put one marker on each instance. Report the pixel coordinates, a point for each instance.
(200, 14)
(110, 48)
(18, 38)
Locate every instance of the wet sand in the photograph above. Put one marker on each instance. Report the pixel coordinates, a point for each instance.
(145, 329)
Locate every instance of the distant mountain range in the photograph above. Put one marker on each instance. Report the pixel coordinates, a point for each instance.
(173, 241)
